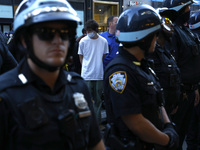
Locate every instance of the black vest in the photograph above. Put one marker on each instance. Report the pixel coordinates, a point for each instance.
(169, 76)
(149, 93)
(48, 121)
(187, 54)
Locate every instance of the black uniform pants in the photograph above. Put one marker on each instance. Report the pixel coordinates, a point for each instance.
(183, 115)
(193, 135)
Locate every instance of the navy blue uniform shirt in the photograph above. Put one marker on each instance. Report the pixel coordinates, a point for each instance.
(31, 113)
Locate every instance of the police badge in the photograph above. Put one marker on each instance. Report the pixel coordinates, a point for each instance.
(82, 104)
(80, 101)
(118, 81)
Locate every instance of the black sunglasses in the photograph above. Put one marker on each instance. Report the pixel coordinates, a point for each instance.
(48, 34)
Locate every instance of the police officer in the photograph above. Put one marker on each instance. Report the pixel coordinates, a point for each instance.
(164, 63)
(133, 97)
(193, 134)
(7, 61)
(43, 107)
(194, 23)
(186, 52)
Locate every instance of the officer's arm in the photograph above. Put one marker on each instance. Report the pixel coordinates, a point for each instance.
(145, 130)
(81, 58)
(164, 115)
(99, 146)
(3, 125)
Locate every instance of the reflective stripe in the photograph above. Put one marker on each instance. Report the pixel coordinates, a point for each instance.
(177, 8)
(194, 26)
(136, 35)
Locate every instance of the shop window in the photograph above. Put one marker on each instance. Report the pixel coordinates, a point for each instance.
(102, 10)
(6, 28)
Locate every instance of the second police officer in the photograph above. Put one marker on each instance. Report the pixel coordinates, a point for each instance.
(187, 54)
(43, 107)
(133, 97)
(193, 134)
(164, 64)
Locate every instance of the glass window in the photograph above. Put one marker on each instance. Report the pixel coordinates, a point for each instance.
(102, 10)
(6, 28)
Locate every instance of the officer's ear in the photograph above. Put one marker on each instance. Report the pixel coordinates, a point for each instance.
(23, 41)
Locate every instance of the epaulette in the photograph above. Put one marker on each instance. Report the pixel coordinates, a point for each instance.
(72, 76)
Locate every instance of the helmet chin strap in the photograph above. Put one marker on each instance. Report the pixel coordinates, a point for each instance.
(146, 44)
(41, 64)
(38, 62)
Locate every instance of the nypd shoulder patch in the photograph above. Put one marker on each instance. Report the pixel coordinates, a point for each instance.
(118, 81)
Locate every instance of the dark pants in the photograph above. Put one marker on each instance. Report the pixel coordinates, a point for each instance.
(193, 135)
(183, 115)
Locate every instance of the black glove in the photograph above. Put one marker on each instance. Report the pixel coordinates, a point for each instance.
(169, 129)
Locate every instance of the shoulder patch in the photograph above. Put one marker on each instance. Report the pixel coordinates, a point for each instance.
(118, 81)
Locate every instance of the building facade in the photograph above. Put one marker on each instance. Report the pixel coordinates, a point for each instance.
(87, 9)
(98, 10)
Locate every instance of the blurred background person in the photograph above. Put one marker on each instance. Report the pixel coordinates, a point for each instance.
(92, 51)
(109, 35)
(186, 52)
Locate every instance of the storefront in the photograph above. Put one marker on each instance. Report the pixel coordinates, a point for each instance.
(102, 10)
(6, 18)
(86, 9)
(97, 10)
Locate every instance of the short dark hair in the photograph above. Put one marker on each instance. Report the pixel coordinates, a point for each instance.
(110, 19)
(92, 24)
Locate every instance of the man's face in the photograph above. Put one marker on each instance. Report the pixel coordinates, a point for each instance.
(91, 33)
(114, 23)
(51, 42)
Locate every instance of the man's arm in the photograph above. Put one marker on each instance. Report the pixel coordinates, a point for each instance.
(104, 55)
(99, 146)
(81, 58)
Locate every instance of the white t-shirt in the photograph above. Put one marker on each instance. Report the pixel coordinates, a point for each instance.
(92, 51)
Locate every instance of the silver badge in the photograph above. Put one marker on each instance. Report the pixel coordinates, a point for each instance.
(80, 101)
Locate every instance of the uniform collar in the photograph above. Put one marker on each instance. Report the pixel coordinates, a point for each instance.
(32, 78)
(129, 56)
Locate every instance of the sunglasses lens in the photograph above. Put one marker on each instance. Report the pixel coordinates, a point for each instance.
(46, 34)
(64, 34)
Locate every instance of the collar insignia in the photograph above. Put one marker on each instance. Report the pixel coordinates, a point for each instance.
(22, 78)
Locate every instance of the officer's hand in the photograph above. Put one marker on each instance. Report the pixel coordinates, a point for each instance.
(174, 138)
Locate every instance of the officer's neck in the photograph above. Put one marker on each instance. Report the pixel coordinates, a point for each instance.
(136, 51)
(48, 77)
(161, 40)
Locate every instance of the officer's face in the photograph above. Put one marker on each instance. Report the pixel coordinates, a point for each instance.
(187, 8)
(153, 43)
(50, 43)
